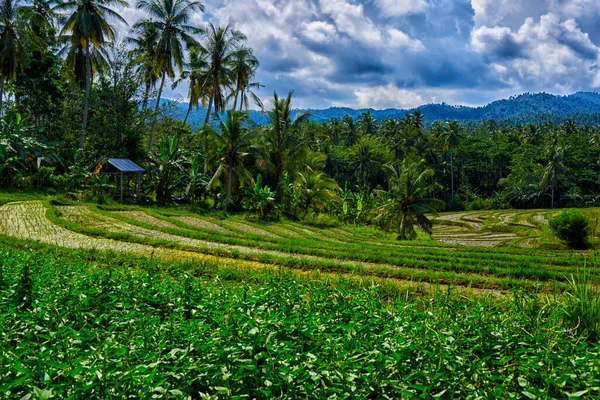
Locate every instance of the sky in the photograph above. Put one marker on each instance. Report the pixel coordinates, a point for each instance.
(404, 53)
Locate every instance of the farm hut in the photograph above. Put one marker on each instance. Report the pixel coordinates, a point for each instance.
(120, 167)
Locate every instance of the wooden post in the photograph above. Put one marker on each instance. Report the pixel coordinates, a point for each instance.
(121, 187)
(139, 185)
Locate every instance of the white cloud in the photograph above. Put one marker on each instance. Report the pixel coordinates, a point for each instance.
(386, 97)
(490, 12)
(319, 31)
(549, 53)
(398, 8)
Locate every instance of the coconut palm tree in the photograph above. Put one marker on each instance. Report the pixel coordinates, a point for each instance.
(350, 131)
(170, 18)
(145, 41)
(409, 198)
(450, 137)
(243, 66)
(16, 38)
(363, 164)
(197, 74)
(87, 26)
(367, 124)
(281, 135)
(220, 45)
(313, 188)
(235, 143)
(554, 169)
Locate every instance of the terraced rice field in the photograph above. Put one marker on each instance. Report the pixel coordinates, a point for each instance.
(485, 250)
(515, 228)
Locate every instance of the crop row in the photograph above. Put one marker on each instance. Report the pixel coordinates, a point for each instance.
(76, 325)
(428, 263)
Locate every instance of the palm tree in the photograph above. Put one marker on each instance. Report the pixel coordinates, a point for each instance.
(243, 66)
(145, 41)
(314, 188)
(363, 164)
(220, 45)
(169, 18)
(349, 131)
(235, 142)
(88, 28)
(451, 136)
(197, 75)
(334, 128)
(367, 123)
(281, 134)
(16, 36)
(554, 168)
(409, 198)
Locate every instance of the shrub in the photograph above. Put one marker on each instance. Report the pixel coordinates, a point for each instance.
(322, 221)
(572, 227)
(582, 307)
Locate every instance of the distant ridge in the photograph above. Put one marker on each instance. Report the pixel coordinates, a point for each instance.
(584, 107)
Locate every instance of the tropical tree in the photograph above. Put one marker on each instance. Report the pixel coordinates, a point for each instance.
(87, 27)
(281, 135)
(16, 37)
(554, 169)
(409, 199)
(197, 76)
(145, 42)
(235, 143)
(363, 164)
(350, 131)
(313, 188)
(367, 124)
(243, 66)
(195, 181)
(450, 137)
(220, 46)
(260, 199)
(169, 18)
(167, 163)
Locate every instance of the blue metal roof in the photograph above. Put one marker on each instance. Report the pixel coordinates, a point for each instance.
(125, 166)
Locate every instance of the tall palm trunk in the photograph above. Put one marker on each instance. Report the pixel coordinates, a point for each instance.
(237, 92)
(187, 114)
(162, 83)
(1, 95)
(452, 173)
(146, 94)
(88, 81)
(229, 187)
(210, 101)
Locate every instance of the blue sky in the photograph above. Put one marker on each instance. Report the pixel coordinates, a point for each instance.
(404, 53)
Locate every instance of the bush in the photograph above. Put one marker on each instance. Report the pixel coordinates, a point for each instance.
(572, 227)
(322, 221)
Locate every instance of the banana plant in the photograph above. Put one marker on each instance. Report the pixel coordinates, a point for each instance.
(261, 199)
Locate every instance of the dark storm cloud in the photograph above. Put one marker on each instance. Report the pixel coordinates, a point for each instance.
(335, 52)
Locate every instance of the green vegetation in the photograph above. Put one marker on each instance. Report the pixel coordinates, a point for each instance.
(572, 227)
(148, 329)
(263, 261)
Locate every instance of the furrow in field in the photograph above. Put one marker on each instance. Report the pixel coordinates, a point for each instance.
(148, 219)
(248, 228)
(203, 224)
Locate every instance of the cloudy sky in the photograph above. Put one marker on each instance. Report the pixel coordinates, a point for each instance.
(404, 53)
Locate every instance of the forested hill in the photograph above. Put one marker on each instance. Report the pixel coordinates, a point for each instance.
(584, 107)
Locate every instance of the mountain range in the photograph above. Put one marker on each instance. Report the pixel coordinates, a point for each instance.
(583, 107)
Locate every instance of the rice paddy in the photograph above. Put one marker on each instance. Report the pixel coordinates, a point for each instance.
(481, 249)
(162, 303)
